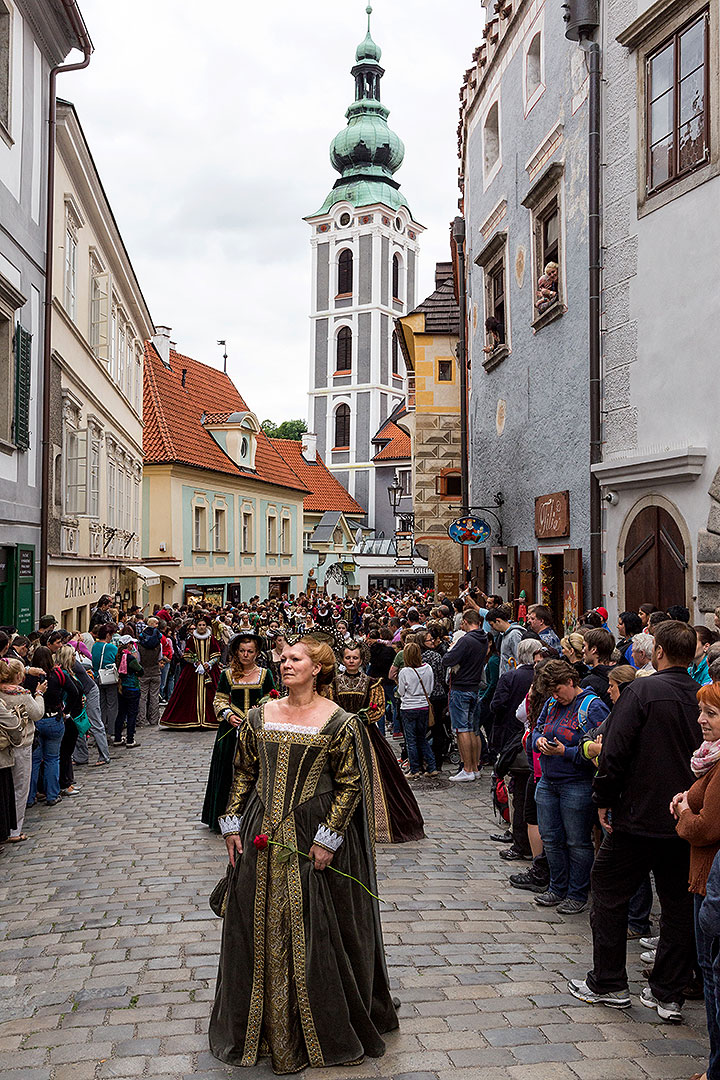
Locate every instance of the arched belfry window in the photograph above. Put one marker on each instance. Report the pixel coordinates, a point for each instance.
(343, 355)
(345, 273)
(342, 426)
(396, 277)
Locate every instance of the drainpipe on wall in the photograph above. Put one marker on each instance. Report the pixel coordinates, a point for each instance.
(458, 234)
(595, 270)
(76, 21)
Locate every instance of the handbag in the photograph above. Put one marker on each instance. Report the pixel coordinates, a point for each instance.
(431, 713)
(107, 676)
(82, 721)
(218, 897)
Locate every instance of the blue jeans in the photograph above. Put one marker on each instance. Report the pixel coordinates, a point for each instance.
(165, 681)
(709, 960)
(50, 731)
(415, 726)
(565, 819)
(128, 705)
(462, 705)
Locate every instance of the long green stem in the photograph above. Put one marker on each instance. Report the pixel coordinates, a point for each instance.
(340, 872)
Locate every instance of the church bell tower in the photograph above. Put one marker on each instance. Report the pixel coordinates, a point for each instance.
(365, 246)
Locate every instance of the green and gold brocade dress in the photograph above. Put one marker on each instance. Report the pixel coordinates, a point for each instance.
(238, 698)
(302, 975)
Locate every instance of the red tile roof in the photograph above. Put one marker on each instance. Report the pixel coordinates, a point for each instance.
(397, 443)
(326, 492)
(173, 427)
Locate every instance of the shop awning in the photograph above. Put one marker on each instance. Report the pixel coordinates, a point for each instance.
(148, 576)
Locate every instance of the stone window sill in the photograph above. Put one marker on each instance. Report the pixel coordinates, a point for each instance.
(550, 314)
(496, 357)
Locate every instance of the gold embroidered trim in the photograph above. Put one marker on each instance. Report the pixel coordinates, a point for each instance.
(312, 1042)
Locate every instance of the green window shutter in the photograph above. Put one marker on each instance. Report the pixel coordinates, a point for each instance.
(23, 359)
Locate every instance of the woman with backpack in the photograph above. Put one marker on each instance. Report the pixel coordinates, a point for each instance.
(61, 695)
(129, 671)
(415, 686)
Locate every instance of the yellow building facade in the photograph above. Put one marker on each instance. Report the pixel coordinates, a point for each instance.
(428, 338)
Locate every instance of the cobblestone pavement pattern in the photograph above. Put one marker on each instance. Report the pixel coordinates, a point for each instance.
(108, 950)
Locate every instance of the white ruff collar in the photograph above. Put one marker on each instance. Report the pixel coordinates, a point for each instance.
(202, 637)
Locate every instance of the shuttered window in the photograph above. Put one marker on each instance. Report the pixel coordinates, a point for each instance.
(23, 361)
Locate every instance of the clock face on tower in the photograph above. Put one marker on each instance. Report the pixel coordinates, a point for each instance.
(345, 219)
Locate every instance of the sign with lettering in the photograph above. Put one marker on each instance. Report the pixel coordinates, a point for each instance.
(448, 584)
(552, 515)
(81, 585)
(26, 562)
(4, 560)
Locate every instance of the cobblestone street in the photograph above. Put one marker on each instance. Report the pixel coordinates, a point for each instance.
(108, 949)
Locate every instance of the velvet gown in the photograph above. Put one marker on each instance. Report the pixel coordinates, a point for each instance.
(397, 814)
(302, 973)
(240, 698)
(191, 703)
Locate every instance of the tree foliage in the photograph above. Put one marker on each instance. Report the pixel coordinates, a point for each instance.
(288, 429)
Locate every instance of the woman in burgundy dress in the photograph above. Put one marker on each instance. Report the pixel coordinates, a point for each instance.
(191, 704)
(397, 814)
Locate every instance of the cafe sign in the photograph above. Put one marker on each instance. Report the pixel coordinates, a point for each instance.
(552, 516)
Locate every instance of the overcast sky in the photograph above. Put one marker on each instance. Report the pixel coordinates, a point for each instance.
(210, 125)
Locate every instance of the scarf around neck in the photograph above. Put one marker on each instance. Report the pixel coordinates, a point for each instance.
(705, 757)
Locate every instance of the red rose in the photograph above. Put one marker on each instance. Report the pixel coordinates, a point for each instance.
(374, 708)
(274, 694)
(261, 842)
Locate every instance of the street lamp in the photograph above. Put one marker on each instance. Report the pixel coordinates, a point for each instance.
(395, 493)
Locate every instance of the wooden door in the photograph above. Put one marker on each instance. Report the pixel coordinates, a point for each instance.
(477, 567)
(572, 588)
(513, 575)
(654, 562)
(526, 575)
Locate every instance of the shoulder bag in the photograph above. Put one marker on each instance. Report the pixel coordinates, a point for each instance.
(107, 676)
(431, 714)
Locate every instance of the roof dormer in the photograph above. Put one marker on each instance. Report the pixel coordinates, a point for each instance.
(237, 434)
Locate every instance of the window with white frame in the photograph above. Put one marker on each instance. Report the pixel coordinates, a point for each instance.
(129, 486)
(491, 142)
(70, 292)
(99, 321)
(285, 547)
(200, 528)
(272, 535)
(122, 339)
(111, 493)
(247, 532)
(113, 340)
(405, 478)
(220, 528)
(93, 504)
(136, 506)
(138, 396)
(76, 471)
(120, 515)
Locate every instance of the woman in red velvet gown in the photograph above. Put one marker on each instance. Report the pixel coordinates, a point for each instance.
(191, 704)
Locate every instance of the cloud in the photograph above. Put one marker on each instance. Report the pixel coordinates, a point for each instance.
(210, 128)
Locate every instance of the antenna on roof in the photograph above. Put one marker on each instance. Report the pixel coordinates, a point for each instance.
(224, 345)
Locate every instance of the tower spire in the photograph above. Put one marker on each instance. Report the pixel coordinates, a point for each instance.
(367, 153)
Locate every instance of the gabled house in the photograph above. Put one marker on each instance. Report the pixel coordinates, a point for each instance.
(393, 455)
(222, 509)
(333, 521)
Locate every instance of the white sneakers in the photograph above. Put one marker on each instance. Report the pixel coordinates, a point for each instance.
(463, 777)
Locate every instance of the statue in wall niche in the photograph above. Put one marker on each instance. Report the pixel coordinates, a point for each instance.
(547, 288)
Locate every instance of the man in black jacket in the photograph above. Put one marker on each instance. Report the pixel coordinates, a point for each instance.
(597, 654)
(645, 761)
(468, 655)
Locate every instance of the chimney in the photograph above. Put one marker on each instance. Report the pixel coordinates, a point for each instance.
(443, 273)
(309, 446)
(161, 341)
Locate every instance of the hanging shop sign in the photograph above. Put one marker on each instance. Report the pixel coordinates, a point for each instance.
(552, 515)
(470, 531)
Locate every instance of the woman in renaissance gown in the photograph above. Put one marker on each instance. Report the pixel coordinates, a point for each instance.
(397, 814)
(302, 974)
(241, 687)
(191, 704)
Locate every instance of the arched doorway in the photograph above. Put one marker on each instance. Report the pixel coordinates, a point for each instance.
(654, 561)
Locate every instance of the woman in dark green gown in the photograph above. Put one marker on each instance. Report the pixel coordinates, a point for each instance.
(242, 685)
(302, 976)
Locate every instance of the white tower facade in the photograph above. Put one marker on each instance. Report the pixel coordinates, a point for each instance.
(365, 246)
